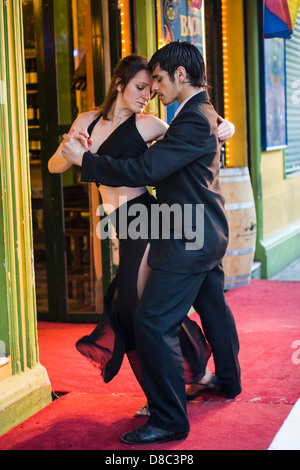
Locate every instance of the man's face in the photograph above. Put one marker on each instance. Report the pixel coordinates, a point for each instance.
(167, 91)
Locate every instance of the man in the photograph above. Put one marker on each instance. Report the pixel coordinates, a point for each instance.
(184, 167)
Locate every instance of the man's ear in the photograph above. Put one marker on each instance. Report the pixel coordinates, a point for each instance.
(180, 73)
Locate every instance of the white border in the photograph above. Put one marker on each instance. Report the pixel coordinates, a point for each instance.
(288, 436)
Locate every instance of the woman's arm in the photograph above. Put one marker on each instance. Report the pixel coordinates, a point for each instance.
(57, 163)
(152, 128)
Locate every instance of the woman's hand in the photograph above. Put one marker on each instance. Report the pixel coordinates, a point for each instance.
(225, 130)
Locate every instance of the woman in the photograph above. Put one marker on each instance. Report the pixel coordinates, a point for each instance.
(122, 130)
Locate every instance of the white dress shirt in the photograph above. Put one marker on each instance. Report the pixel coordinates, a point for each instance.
(183, 103)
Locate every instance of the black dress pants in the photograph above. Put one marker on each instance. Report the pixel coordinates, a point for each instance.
(166, 300)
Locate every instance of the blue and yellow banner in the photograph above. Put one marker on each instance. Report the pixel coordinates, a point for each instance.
(182, 20)
(280, 18)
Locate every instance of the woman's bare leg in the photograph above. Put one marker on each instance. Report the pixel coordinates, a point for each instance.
(143, 274)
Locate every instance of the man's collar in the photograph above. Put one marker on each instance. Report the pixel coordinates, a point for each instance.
(204, 97)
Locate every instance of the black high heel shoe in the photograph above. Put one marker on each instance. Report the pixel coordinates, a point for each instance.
(143, 412)
(209, 383)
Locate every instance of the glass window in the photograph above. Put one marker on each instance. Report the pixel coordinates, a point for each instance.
(292, 153)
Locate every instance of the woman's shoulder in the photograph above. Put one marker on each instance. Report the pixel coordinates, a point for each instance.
(151, 127)
(85, 119)
(149, 119)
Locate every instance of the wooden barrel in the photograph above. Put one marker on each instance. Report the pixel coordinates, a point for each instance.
(239, 204)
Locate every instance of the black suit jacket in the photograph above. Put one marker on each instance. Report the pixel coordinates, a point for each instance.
(184, 168)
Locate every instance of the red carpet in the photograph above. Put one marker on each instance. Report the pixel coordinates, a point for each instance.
(93, 415)
(83, 421)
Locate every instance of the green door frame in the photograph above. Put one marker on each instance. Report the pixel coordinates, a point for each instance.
(254, 120)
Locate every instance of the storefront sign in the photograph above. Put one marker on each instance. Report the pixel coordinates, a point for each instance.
(182, 20)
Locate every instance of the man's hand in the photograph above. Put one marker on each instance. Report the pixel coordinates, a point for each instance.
(225, 130)
(72, 150)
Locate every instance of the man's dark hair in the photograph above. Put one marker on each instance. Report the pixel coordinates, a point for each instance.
(176, 54)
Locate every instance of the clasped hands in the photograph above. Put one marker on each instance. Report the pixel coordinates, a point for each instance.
(74, 146)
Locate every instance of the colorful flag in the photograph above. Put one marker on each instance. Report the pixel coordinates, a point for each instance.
(280, 18)
(294, 6)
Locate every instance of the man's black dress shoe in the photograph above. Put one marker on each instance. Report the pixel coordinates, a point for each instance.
(148, 434)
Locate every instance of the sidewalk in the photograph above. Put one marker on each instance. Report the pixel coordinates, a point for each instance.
(290, 273)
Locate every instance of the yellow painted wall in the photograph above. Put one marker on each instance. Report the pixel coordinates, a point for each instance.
(281, 197)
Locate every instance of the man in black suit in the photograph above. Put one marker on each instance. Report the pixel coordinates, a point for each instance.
(184, 168)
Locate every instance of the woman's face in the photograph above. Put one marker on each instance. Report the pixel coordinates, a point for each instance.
(136, 94)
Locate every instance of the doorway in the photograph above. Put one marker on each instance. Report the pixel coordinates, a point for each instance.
(63, 56)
